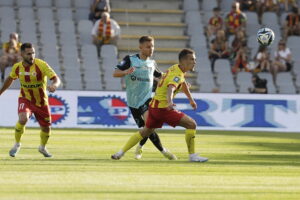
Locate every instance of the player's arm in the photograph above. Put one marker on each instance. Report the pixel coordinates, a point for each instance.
(157, 73)
(123, 68)
(50, 73)
(55, 83)
(185, 89)
(170, 96)
(120, 73)
(8, 81)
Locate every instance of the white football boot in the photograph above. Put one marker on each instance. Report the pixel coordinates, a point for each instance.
(117, 156)
(168, 154)
(45, 152)
(16, 148)
(138, 152)
(196, 158)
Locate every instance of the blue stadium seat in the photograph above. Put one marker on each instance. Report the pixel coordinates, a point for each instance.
(244, 81)
(63, 3)
(6, 3)
(45, 14)
(190, 5)
(43, 3)
(24, 3)
(64, 14)
(26, 13)
(81, 4)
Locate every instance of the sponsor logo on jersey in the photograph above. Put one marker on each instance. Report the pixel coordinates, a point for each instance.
(31, 85)
(176, 79)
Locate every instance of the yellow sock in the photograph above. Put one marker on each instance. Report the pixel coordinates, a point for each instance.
(44, 137)
(133, 140)
(19, 130)
(190, 140)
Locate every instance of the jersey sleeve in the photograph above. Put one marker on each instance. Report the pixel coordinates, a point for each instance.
(124, 64)
(50, 73)
(175, 80)
(157, 73)
(13, 74)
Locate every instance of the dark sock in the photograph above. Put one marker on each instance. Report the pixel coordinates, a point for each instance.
(156, 141)
(143, 141)
(2, 76)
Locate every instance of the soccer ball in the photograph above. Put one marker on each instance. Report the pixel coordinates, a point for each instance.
(265, 36)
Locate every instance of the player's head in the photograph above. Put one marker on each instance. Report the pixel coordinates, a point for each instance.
(105, 16)
(187, 59)
(281, 45)
(14, 36)
(28, 53)
(235, 6)
(216, 11)
(295, 10)
(146, 45)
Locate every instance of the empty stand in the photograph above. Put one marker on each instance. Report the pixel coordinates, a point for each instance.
(244, 81)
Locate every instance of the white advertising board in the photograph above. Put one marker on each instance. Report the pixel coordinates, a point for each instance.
(98, 109)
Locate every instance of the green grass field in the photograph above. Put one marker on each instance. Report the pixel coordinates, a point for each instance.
(242, 165)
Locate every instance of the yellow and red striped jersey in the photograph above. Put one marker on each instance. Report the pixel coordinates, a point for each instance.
(33, 80)
(173, 76)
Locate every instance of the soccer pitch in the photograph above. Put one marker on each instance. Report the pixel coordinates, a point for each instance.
(242, 165)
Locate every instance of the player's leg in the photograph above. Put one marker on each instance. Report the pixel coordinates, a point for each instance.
(139, 148)
(155, 139)
(24, 113)
(42, 115)
(19, 131)
(137, 116)
(190, 133)
(44, 135)
(151, 124)
(133, 140)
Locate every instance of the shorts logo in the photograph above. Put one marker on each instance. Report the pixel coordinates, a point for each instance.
(176, 79)
(59, 109)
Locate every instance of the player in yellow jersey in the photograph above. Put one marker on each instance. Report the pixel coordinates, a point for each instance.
(33, 99)
(162, 109)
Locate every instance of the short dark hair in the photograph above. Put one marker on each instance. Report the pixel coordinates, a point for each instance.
(216, 9)
(295, 9)
(25, 46)
(184, 52)
(145, 38)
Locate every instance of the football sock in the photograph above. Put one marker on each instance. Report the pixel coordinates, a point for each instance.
(44, 137)
(133, 140)
(190, 140)
(156, 141)
(143, 141)
(19, 130)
